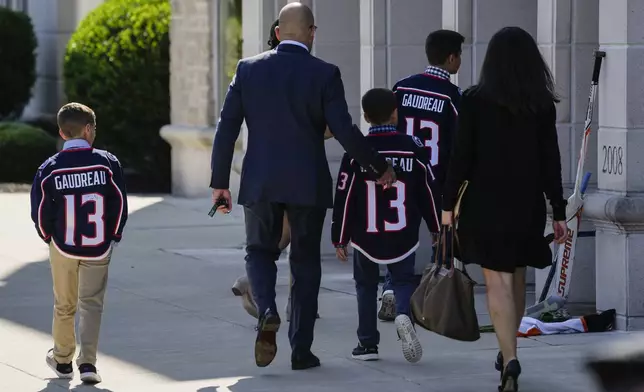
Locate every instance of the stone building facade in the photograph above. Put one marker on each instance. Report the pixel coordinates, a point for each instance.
(376, 42)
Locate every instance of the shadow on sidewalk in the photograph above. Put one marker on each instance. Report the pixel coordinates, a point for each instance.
(57, 385)
(166, 312)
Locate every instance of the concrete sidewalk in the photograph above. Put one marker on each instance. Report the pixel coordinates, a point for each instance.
(172, 324)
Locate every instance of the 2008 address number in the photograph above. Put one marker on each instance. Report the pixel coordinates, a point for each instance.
(613, 160)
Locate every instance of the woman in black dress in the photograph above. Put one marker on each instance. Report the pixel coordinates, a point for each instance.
(506, 148)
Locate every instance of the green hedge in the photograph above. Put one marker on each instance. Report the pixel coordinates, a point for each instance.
(23, 149)
(17, 62)
(118, 63)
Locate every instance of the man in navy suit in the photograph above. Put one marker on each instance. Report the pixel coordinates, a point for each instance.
(287, 97)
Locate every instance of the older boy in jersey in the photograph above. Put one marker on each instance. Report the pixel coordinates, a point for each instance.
(382, 224)
(79, 206)
(428, 109)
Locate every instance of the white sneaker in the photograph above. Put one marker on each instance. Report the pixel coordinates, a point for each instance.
(411, 348)
(62, 370)
(387, 308)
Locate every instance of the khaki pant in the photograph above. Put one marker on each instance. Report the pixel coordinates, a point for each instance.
(77, 284)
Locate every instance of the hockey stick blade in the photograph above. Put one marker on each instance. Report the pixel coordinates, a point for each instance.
(550, 304)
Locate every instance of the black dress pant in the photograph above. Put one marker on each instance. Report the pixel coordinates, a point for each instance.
(263, 232)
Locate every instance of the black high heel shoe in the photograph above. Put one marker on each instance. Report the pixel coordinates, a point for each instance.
(498, 365)
(510, 377)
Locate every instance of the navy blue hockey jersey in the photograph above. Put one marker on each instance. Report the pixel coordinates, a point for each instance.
(79, 201)
(428, 108)
(383, 224)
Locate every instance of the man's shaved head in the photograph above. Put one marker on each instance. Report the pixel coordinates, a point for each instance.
(296, 23)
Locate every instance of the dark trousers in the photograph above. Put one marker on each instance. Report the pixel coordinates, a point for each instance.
(366, 274)
(387, 283)
(263, 232)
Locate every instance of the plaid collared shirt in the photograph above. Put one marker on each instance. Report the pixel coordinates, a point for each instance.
(382, 129)
(438, 72)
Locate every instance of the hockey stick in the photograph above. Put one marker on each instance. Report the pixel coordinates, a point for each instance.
(554, 302)
(573, 230)
(553, 297)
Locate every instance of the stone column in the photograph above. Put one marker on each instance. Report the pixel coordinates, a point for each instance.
(478, 20)
(408, 22)
(617, 209)
(54, 23)
(257, 18)
(373, 48)
(194, 78)
(567, 35)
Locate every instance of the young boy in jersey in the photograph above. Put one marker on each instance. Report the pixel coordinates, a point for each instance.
(79, 206)
(428, 109)
(382, 224)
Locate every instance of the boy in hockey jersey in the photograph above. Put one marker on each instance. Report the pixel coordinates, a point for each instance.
(79, 207)
(382, 224)
(428, 108)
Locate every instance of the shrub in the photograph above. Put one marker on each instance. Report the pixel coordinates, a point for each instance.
(18, 65)
(45, 122)
(118, 63)
(23, 149)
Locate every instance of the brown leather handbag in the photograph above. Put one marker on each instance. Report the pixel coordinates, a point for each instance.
(444, 301)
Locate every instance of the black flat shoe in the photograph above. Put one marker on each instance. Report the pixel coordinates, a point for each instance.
(304, 360)
(265, 343)
(510, 377)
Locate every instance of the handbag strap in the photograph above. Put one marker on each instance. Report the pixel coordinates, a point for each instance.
(459, 198)
(457, 214)
(444, 255)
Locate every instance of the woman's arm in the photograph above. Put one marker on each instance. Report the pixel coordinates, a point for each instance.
(551, 164)
(327, 133)
(462, 154)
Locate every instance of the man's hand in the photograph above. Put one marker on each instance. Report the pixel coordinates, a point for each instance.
(342, 253)
(222, 194)
(388, 178)
(561, 231)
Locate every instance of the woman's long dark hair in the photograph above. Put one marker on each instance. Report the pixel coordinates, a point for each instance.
(273, 41)
(515, 75)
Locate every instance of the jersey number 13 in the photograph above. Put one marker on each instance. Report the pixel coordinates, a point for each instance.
(414, 125)
(398, 203)
(95, 218)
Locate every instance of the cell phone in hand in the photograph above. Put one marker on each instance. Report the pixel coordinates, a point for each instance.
(220, 202)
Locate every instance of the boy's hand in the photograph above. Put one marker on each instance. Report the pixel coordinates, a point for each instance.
(342, 253)
(447, 218)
